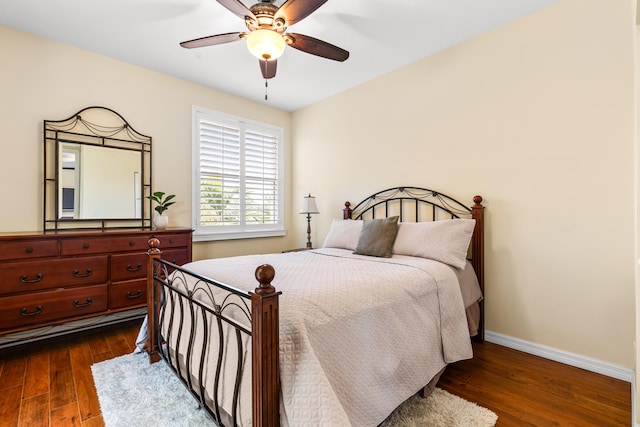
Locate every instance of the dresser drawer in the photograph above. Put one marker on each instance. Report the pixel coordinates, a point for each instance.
(134, 243)
(128, 294)
(47, 307)
(141, 243)
(28, 249)
(85, 246)
(129, 266)
(178, 257)
(134, 266)
(60, 273)
(168, 241)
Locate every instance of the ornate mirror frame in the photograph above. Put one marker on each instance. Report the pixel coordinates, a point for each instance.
(102, 138)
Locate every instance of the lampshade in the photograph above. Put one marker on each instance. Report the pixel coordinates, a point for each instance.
(265, 44)
(309, 205)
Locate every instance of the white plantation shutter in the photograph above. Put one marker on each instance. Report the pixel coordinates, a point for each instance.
(261, 174)
(219, 174)
(238, 179)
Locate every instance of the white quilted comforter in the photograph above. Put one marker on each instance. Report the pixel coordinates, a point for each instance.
(358, 335)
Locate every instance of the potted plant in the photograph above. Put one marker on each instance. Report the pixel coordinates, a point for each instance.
(163, 201)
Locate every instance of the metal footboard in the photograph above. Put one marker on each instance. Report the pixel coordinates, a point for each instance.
(195, 327)
(207, 333)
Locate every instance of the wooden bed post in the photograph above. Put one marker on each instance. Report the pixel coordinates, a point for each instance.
(265, 348)
(153, 306)
(477, 255)
(346, 212)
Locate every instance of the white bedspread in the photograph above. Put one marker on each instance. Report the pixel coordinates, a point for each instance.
(358, 335)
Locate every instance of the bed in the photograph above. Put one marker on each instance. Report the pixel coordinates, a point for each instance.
(339, 335)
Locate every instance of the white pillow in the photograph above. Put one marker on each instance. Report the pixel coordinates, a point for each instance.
(344, 234)
(446, 241)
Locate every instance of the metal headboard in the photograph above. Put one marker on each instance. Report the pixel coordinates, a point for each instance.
(419, 205)
(409, 204)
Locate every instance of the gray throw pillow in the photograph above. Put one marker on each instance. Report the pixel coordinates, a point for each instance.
(377, 237)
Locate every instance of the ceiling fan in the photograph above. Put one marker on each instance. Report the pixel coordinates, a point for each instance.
(266, 38)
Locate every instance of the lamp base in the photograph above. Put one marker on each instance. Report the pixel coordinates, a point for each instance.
(309, 231)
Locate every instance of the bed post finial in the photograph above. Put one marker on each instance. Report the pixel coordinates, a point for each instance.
(265, 339)
(154, 246)
(264, 275)
(346, 212)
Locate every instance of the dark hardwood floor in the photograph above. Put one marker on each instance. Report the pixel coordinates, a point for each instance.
(526, 390)
(50, 384)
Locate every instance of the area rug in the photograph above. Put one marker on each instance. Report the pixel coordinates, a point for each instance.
(134, 393)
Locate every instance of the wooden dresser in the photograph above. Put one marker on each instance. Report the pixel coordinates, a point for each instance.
(54, 278)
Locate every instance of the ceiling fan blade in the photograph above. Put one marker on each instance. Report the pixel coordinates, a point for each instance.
(212, 40)
(293, 11)
(268, 68)
(237, 8)
(316, 47)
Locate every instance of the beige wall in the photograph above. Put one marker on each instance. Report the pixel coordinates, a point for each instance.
(41, 79)
(637, 228)
(537, 117)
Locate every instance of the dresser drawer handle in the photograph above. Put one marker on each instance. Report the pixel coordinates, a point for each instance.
(77, 304)
(25, 311)
(28, 250)
(132, 243)
(171, 241)
(24, 279)
(77, 273)
(132, 269)
(132, 296)
(85, 246)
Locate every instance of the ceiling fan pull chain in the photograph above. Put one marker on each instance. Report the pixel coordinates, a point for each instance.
(266, 86)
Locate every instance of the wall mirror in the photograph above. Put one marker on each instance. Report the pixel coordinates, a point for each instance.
(97, 172)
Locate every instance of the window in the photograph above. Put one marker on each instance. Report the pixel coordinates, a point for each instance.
(237, 181)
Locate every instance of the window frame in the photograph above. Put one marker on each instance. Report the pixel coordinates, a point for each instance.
(242, 231)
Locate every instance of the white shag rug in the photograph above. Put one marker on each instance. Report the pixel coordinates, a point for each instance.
(134, 393)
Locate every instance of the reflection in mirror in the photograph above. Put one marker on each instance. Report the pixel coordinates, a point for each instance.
(98, 182)
(69, 182)
(97, 172)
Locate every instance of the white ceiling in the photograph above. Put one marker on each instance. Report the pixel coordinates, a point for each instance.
(381, 36)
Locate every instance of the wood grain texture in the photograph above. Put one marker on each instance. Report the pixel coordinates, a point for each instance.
(50, 383)
(37, 374)
(61, 383)
(10, 404)
(34, 411)
(87, 398)
(65, 416)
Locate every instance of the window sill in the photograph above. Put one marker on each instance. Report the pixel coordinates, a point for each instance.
(209, 237)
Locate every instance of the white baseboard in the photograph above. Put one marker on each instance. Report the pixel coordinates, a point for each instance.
(572, 359)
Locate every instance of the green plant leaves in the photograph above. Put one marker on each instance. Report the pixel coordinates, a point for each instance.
(162, 201)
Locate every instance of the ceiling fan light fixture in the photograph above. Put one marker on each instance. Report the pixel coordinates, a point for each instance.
(265, 44)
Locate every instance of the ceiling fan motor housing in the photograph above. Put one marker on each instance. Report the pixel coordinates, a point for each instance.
(264, 13)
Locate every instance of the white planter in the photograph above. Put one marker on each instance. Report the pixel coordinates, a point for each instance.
(160, 221)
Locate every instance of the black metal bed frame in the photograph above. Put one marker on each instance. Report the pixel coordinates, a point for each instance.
(170, 290)
(409, 195)
(261, 308)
